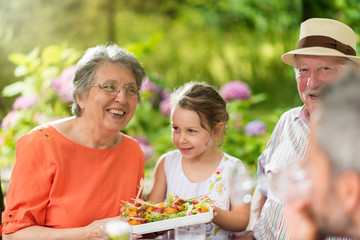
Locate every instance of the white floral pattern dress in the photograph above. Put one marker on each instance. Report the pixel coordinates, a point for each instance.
(217, 187)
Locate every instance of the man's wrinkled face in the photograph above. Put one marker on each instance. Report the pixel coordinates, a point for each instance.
(312, 72)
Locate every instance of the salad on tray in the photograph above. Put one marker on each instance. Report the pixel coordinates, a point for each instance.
(145, 212)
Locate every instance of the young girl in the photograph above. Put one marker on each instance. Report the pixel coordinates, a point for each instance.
(198, 166)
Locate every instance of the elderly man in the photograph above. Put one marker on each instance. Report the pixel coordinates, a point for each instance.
(325, 48)
(333, 203)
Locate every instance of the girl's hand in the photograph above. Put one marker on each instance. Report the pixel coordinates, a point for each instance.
(214, 214)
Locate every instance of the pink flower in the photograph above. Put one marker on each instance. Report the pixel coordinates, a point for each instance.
(165, 94)
(235, 90)
(25, 102)
(9, 120)
(2, 140)
(147, 85)
(145, 146)
(165, 107)
(63, 84)
(255, 128)
(39, 118)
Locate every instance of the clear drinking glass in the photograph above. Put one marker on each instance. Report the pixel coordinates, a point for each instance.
(117, 230)
(242, 185)
(193, 232)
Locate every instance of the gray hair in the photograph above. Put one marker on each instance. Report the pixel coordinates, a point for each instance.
(95, 57)
(338, 128)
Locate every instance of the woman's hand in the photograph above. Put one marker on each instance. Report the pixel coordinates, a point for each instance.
(96, 229)
(93, 231)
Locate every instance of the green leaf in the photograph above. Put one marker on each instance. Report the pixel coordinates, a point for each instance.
(13, 89)
(51, 55)
(20, 71)
(33, 54)
(18, 58)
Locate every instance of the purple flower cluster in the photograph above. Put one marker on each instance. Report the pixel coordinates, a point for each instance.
(39, 118)
(157, 96)
(165, 107)
(145, 146)
(235, 90)
(255, 128)
(25, 102)
(147, 85)
(63, 84)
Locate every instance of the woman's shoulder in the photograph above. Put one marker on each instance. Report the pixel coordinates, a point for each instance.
(129, 142)
(47, 130)
(129, 139)
(37, 138)
(39, 132)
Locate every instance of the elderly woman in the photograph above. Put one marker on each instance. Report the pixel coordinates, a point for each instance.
(70, 176)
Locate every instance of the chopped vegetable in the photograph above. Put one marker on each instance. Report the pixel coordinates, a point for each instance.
(145, 212)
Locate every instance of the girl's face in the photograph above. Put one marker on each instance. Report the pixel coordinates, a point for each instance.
(110, 111)
(188, 135)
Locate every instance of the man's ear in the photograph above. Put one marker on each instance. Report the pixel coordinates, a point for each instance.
(348, 189)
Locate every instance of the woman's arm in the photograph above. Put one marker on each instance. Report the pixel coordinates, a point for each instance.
(158, 191)
(93, 231)
(235, 220)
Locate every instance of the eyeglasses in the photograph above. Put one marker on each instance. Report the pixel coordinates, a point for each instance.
(129, 90)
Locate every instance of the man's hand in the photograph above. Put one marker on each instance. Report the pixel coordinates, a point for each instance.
(299, 223)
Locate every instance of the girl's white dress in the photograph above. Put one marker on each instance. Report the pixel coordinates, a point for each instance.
(217, 187)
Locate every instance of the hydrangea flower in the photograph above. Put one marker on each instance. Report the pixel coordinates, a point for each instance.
(147, 85)
(165, 107)
(39, 118)
(235, 90)
(2, 140)
(255, 128)
(9, 119)
(63, 84)
(165, 94)
(25, 102)
(145, 146)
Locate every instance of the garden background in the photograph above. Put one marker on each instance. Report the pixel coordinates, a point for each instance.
(235, 45)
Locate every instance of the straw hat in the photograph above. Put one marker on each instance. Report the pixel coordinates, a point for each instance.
(324, 37)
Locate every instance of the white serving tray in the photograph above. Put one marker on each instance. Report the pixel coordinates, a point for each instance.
(172, 223)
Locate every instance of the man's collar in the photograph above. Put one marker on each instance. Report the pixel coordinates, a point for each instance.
(304, 115)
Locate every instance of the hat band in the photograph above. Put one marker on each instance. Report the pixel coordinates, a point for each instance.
(327, 42)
